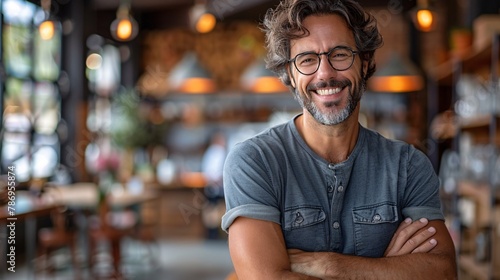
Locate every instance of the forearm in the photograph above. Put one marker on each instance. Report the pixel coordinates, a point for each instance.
(411, 266)
(258, 251)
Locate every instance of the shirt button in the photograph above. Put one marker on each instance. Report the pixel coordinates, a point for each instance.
(331, 166)
(336, 225)
(340, 189)
(330, 189)
(298, 218)
(377, 218)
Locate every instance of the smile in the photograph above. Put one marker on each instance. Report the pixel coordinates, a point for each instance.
(330, 91)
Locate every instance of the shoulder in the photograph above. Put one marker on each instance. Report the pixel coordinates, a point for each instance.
(378, 143)
(271, 140)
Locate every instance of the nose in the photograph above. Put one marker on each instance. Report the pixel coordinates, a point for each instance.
(325, 70)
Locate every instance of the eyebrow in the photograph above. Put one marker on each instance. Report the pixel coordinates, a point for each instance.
(311, 51)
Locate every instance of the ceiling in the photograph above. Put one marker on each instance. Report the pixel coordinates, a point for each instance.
(221, 8)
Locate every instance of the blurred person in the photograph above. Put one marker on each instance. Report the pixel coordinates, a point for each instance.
(322, 197)
(212, 166)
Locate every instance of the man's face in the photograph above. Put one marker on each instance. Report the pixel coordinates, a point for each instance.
(330, 96)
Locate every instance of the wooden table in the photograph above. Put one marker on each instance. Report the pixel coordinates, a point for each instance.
(27, 208)
(83, 198)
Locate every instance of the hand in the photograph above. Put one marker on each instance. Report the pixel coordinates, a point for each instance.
(408, 239)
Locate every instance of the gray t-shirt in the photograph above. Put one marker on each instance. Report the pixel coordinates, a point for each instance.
(353, 207)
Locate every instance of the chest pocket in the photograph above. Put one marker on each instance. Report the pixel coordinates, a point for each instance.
(304, 228)
(374, 226)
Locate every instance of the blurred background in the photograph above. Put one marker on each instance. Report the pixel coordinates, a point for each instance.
(117, 116)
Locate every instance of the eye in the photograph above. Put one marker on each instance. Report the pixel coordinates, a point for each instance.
(307, 59)
(340, 54)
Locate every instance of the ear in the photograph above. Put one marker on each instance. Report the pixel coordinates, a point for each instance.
(292, 78)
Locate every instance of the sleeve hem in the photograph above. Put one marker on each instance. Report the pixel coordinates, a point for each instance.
(254, 211)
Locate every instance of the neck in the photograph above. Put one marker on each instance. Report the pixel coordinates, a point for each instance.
(334, 143)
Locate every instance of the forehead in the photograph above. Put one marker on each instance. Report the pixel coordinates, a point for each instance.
(325, 32)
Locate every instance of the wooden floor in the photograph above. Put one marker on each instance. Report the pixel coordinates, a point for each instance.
(182, 259)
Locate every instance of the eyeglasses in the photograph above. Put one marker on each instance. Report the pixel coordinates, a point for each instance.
(340, 58)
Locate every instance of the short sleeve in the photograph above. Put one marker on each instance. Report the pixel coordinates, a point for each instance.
(422, 192)
(248, 187)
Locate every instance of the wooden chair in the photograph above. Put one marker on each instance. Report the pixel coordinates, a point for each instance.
(146, 231)
(57, 237)
(104, 230)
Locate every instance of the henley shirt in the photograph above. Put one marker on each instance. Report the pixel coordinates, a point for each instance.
(353, 207)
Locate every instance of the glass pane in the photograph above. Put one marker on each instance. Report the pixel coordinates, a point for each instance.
(17, 97)
(15, 152)
(16, 50)
(45, 157)
(48, 56)
(18, 12)
(46, 108)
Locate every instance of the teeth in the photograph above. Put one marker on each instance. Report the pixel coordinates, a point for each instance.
(328, 91)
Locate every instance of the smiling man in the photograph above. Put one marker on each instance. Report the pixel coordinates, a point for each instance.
(321, 197)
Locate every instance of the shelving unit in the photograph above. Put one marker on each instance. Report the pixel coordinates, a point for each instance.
(479, 248)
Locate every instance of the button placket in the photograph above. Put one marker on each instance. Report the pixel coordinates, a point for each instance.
(336, 208)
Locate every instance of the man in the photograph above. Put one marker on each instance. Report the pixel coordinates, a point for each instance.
(321, 197)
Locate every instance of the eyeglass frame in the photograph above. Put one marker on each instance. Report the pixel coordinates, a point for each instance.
(354, 53)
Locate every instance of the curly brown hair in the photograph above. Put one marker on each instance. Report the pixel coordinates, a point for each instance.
(284, 23)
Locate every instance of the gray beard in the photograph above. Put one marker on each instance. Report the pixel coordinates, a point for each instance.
(331, 118)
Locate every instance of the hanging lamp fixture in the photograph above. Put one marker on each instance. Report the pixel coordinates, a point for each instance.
(47, 27)
(201, 19)
(189, 76)
(423, 16)
(124, 27)
(258, 79)
(398, 75)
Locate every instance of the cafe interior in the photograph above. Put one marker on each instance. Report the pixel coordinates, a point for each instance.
(117, 116)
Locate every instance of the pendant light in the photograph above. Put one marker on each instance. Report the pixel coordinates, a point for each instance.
(124, 27)
(48, 26)
(398, 75)
(189, 76)
(201, 19)
(258, 79)
(423, 17)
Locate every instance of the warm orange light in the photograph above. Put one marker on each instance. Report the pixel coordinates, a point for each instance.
(206, 23)
(46, 30)
(124, 29)
(268, 85)
(197, 85)
(193, 180)
(425, 20)
(396, 83)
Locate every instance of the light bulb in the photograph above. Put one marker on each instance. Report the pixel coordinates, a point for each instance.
(424, 19)
(124, 29)
(206, 23)
(46, 30)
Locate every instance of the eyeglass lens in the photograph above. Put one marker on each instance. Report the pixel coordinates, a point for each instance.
(340, 59)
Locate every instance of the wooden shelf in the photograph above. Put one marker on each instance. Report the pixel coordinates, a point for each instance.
(478, 128)
(481, 195)
(473, 269)
(474, 61)
(482, 121)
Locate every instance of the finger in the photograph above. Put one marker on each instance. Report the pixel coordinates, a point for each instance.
(407, 232)
(402, 226)
(419, 239)
(426, 246)
(402, 237)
